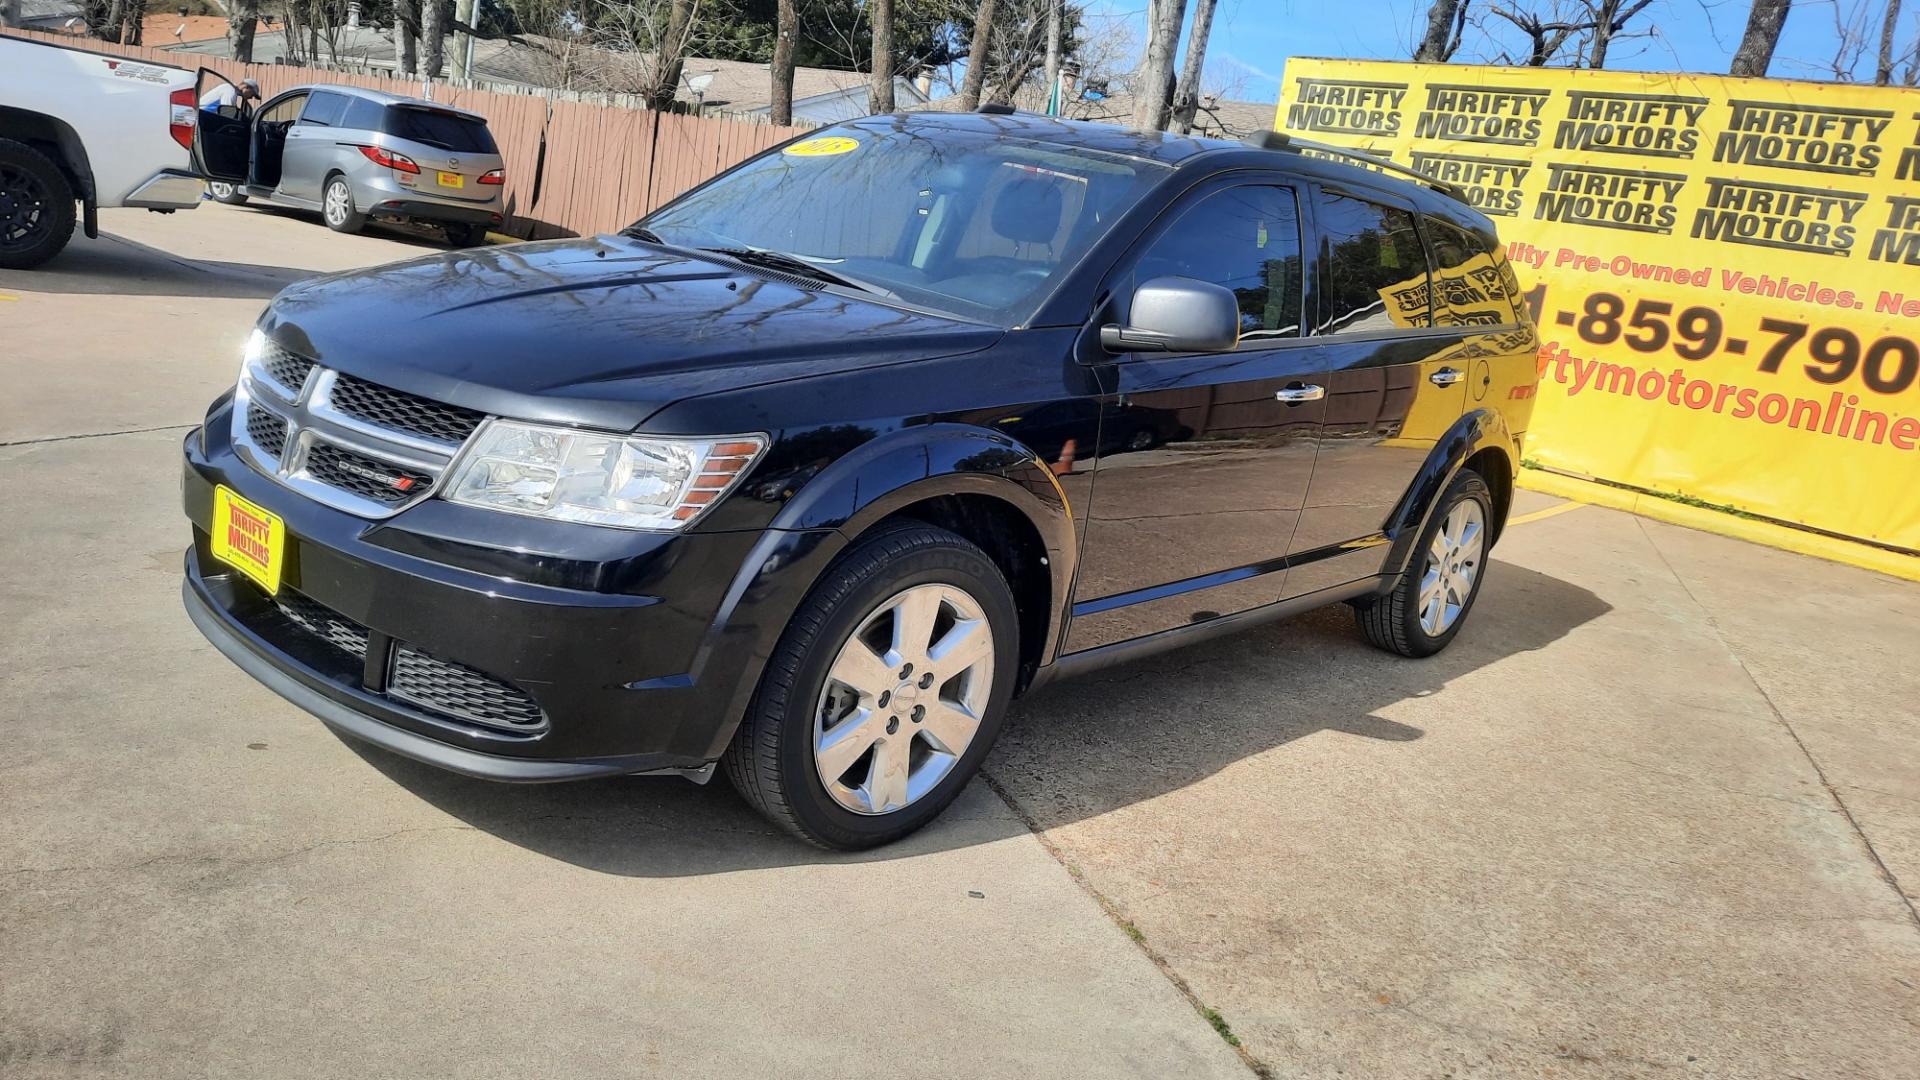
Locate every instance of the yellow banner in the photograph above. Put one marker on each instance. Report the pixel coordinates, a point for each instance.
(1726, 272)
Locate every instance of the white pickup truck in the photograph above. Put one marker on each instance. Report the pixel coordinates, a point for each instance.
(90, 129)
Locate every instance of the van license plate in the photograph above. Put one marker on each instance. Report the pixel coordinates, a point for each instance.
(452, 179)
(248, 538)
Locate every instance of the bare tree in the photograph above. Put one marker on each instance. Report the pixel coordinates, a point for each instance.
(786, 31)
(976, 76)
(432, 38)
(9, 12)
(406, 26)
(1053, 52)
(670, 55)
(1609, 19)
(1585, 29)
(242, 15)
(880, 94)
(1446, 21)
(1755, 54)
(1186, 98)
(1889, 26)
(1153, 87)
(1546, 36)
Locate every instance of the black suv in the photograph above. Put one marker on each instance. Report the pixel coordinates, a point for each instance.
(810, 472)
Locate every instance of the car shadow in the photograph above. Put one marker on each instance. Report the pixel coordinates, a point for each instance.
(115, 265)
(1070, 752)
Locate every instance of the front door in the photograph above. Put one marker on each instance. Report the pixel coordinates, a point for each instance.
(1204, 458)
(221, 131)
(312, 146)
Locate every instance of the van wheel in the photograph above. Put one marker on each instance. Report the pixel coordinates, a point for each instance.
(36, 207)
(884, 694)
(1431, 600)
(336, 207)
(466, 234)
(225, 193)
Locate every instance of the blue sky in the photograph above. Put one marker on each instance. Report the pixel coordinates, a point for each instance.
(1252, 38)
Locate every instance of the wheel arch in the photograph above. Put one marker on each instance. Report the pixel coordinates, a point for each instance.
(57, 139)
(1479, 440)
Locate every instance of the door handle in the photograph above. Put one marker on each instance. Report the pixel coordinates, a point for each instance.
(1294, 395)
(1446, 376)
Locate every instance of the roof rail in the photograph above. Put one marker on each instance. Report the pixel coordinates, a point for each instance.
(994, 108)
(1280, 140)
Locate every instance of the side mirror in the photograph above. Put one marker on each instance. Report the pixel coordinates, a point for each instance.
(1177, 314)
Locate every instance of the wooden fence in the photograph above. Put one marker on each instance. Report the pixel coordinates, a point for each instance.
(572, 168)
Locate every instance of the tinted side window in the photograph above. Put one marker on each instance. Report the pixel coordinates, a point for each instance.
(284, 110)
(324, 110)
(1376, 268)
(362, 115)
(1472, 283)
(445, 130)
(1246, 239)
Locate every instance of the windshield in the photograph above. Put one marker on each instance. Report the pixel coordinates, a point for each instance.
(957, 221)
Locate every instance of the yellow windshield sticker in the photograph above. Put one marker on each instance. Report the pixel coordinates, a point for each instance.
(824, 146)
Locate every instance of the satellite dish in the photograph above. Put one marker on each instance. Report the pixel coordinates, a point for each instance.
(178, 30)
(699, 83)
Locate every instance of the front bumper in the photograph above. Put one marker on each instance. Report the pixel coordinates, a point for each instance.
(637, 648)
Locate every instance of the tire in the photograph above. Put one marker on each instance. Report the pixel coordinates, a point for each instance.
(336, 207)
(36, 207)
(789, 739)
(222, 192)
(1408, 620)
(463, 234)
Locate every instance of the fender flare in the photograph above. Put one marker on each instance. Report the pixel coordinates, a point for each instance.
(1476, 430)
(34, 126)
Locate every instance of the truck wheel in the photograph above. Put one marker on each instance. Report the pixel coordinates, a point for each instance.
(36, 207)
(336, 207)
(225, 193)
(884, 694)
(1431, 600)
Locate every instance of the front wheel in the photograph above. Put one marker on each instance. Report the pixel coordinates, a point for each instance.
(336, 207)
(885, 692)
(222, 192)
(36, 207)
(1433, 596)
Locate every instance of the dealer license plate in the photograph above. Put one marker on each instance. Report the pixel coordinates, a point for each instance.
(248, 538)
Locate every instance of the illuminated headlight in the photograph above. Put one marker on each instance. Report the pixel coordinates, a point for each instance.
(633, 482)
(253, 353)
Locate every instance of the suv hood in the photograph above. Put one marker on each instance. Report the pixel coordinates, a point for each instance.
(599, 332)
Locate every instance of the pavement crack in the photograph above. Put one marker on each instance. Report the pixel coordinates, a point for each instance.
(97, 435)
(1886, 872)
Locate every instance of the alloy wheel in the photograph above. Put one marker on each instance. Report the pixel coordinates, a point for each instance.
(903, 699)
(339, 203)
(23, 208)
(1453, 565)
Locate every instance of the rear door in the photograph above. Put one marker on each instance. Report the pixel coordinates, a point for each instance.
(1395, 384)
(454, 150)
(1205, 457)
(313, 144)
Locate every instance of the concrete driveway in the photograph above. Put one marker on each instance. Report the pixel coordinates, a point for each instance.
(1652, 814)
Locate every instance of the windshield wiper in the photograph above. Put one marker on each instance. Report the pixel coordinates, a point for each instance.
(775, 260)
(641, 232)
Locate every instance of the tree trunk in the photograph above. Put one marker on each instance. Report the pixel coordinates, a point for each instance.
(242, 15)
(1154, 81)
(463, 14)
(433, 38)
(1186, 100)
(403, 23)
(134, 28)
(1445, 18)
(9, 12)
(977, 58)
(880, 97)
(786, 33)
(1883, 70)
(1055, 106)
(670, 56)
(1755, 54)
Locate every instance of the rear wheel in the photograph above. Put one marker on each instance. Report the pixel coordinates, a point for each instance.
(1431, 600)
(336, 207)
(36, 207)
(223, 192)
(463, 234)
(885, 692)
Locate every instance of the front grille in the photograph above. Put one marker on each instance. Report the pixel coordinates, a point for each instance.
(267, 431)
(401, 411)
(369, 478)
(287, 369)
(415, 678)
(323, 622)
(456, 690)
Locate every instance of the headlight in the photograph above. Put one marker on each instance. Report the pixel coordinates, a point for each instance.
(634, 482)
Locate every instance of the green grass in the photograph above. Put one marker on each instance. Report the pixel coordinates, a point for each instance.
(1133, 932)
(1684, 500)
(1220, 1025)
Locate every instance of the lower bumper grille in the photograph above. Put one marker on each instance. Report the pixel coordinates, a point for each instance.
(415, 678)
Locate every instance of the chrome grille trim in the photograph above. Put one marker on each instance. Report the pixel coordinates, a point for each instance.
(309, 419)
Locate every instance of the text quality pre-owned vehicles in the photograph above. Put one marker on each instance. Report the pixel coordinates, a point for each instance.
(87, 130)
(811, 471)
(353, 154)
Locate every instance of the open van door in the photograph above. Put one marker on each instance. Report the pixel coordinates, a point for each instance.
(222, 135)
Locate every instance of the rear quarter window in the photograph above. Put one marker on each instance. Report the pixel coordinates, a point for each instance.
(445, 130)
(362, 115)
(1472, 283)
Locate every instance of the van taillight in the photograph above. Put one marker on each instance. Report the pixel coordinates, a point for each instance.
(497, 176)
(396, 162)
(180, 116)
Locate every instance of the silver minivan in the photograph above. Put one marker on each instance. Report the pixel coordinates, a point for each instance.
(355, 154)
